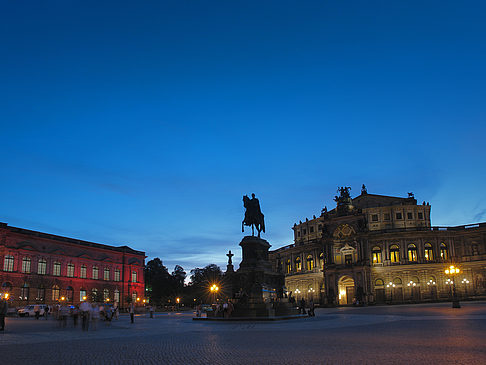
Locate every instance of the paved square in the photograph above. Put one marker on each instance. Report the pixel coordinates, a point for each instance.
(427, 333)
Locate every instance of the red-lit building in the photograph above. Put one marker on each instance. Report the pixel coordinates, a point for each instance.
(37, 267)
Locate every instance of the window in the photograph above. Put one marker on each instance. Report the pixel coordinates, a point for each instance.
(41, 293)
(116, 296)
(420, 215)
(348, 259)
(56, 269)
(83, 295)
(376, 252)
(298, 264)
(321, 260)
(106, 294)
(8, 263)
(82, 272)
(288, 268)
(24, 292)
(429, 256)
(310, 263)
(319, 227)
(409, 215)
(374, 217)
(386, 216)
(134, 297)
(55, 293)
(26, 265)
(444, 254)
(134, 276)
(95, 272)
(412, 252)
(94, 295)
(42, 267)
(70, 270)
(117, 275)
(397, 281)
(304, 231)
(398, 215)
(379, 282)
(394, 253)
(311, 229)
(69, 293)
(298, 234)
(106, 274)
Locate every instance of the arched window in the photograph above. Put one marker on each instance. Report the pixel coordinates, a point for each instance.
(412, 252)
(24, 292)
(379, 282)
(106, 294)
(7, 287)
(376, 253)
(95, 272)
(429, 254)
(26, 265)
(56, 269)
(70, 293)
(397, 281)
(414, 281)
(106, 274)
(42, 267)
(82, 272)
(310, 263)
(55, 293)
(288, 268)
(394, 253)
(298, 264)
(41, 293)
(116, 296)
(444, 252)
(70, 270)
(8, 263)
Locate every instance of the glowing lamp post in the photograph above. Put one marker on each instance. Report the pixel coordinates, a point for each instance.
(465, 282)
(452, 271)
(214, 290)
(390, 285)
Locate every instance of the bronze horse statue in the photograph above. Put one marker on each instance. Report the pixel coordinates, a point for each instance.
(253, 215)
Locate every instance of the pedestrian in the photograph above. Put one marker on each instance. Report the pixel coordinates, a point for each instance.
(302, 305)
(95, 315)
(230, 308)
(75, 314)
(311, 308)
(84, 308)
(63, 315)
(132, 312)
(37, 311)
(151, 309)
(46, 311)
(3, 312)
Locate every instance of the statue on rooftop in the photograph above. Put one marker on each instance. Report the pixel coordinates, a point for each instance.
(253, 215)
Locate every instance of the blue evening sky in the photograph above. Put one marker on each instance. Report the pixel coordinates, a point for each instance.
(144, 122)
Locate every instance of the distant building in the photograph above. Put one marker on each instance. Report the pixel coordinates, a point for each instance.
(37, 267)
(381, 249)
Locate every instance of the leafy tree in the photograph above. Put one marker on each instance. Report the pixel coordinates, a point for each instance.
(158, 281)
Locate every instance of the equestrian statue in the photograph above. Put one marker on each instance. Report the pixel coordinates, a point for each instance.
(253, 215)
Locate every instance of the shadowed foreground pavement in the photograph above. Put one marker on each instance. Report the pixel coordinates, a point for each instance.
(432, 334)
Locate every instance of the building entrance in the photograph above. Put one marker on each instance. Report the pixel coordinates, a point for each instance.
(346, 290)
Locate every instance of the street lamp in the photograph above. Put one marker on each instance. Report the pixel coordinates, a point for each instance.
(452, 271)
(465, 282)
(391, 285)
(214, 290)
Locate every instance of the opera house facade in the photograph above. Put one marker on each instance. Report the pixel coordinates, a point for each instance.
(376, 249)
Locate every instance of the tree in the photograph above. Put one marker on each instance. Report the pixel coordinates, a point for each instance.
(158, 281)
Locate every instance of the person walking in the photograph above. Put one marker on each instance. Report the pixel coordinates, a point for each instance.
(311, 308)
(302, 305)
(151, 309)
(46, 311)
(84, 308)
(132, 312)
(3, 312)
(95, 315)
(37, 311)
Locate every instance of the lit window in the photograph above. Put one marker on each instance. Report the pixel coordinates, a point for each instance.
(348, 259)
(376, 255)
(310, 263)
(26, 265)
(288, 266)
(42, 267)
(41, 293)
(117, 275)
(106, 294)
(82, 295)
(298, 264)
(379, 282)
(134, 276)
(8, 263)
(106, 274)
(116, 296)
(321, 260)
(82, 272)
(70, 270)
(94, 295)
(95, 272)
(55, 293)
(394, 253)
(429, 255)
(24, 292)
(57, 269)
(444, 254)
(412, 252)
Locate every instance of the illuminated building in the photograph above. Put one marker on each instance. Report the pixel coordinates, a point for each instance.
(381, 249)
(37, 267)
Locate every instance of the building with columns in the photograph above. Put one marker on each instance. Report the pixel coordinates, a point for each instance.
(38, 267)
(381, 249)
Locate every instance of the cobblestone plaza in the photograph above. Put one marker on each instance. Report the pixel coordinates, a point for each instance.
(427, 333)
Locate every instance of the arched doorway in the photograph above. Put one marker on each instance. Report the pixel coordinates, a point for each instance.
(346, 290)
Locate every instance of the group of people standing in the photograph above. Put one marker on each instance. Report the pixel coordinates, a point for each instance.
(302, 308)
